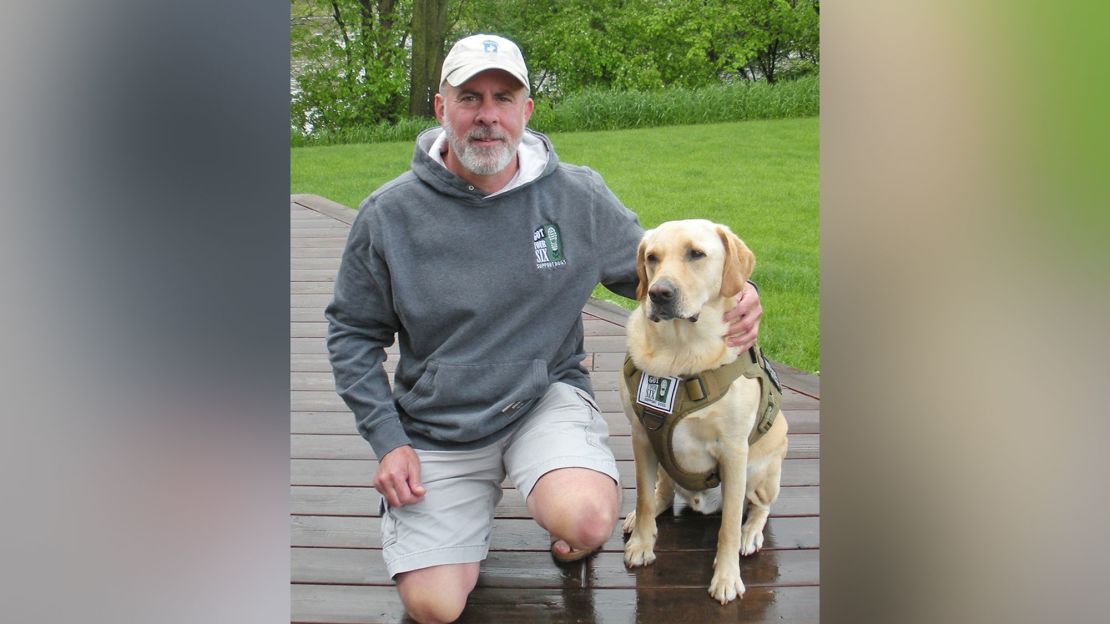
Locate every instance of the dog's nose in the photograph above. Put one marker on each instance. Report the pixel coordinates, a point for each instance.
(661, 292)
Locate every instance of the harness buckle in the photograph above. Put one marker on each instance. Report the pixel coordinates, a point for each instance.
(695, 389)
(768, 417)
(659, 419)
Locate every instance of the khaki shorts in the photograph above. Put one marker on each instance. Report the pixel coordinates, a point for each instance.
(452, 524)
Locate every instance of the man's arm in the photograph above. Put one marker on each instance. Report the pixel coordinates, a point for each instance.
(361, 324)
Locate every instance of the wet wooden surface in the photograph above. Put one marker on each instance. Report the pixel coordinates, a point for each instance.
(337, 570)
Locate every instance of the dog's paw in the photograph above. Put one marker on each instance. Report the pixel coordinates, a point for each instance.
(629, 522)
(726, 585)
(751, 541)
(639, 552)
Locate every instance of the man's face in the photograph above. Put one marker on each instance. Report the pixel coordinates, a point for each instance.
(484, 119)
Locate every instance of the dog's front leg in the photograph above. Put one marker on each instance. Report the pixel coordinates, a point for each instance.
(726, 584)
(639, 550)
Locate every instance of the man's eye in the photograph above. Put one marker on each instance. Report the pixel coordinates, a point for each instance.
(695, 254)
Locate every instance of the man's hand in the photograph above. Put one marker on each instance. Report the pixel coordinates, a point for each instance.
(398, 477)
(743, 319)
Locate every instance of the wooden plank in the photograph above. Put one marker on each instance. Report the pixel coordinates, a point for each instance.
(611, 344)
(324, 206)
(296, 253)
(689, 531)
(310, 288)
(313, 275)
(596, 327)
(359, 472)
(347, 604)
(353, 446)
(534, 570)
(307, 221)
(308, 345)
(364, 501)
(320, 232)
(321, 381)
(306, 315)
(311, 329)
(607, 311)
(315, 263)
(318, 302)
(309, 362)
(326, 242)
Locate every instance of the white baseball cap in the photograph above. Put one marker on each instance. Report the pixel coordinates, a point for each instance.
(477, 53)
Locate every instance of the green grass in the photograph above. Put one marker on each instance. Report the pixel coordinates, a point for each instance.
(758, 177)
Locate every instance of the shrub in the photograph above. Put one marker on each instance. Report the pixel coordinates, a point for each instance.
(614, 110)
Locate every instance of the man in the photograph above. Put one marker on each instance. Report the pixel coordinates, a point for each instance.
(480, 259)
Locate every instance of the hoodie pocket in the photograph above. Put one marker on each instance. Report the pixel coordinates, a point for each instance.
(460, 399)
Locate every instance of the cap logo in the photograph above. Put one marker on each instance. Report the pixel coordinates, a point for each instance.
(489, 46)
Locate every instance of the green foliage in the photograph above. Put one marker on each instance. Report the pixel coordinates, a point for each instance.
(784, 34)
(611, 110)
(353, 71)
(759, 177)
(404, 129)
(354, 63)
(633, 45)
(597, 109)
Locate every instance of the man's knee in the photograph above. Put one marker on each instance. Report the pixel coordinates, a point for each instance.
(582, 507)
(596, 521)
(438, 594)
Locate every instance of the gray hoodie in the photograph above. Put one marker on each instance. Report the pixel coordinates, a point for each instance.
(483, 293)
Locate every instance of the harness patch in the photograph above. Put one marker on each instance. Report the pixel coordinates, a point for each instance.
(658, 392)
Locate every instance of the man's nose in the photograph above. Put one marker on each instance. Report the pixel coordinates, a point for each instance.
(487, 112)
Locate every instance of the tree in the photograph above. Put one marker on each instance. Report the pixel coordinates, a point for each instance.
(363, 62)
(356, 65)
(429, 30)
(783, 31)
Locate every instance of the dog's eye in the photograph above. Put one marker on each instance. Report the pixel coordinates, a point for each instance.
(651, 258)
(695, 254)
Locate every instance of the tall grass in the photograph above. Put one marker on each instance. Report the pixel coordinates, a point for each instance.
(404, 130)
(617, 110)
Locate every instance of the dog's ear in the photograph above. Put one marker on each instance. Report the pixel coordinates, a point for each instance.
(641, 270)
(739, 263)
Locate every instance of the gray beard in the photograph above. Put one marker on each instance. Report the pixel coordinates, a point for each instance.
(481, 160)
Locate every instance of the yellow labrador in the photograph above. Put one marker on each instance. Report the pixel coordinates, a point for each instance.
(690, 272)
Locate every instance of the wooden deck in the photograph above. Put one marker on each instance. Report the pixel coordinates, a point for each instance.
(337, 570)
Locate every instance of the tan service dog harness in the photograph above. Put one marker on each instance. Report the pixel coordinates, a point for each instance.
(694, 393)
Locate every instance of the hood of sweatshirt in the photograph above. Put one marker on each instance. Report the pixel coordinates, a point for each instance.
(433, 173)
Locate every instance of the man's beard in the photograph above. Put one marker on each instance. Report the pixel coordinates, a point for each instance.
(481, 160)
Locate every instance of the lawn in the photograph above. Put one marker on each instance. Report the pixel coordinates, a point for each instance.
(759, 177)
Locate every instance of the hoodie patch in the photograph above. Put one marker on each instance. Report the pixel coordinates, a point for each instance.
(548, 245)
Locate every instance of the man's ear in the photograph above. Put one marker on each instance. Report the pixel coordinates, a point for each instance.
(439, 106)
(641, 271)
(739, 263)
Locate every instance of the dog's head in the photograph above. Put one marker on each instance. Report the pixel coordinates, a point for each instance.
(682, 265)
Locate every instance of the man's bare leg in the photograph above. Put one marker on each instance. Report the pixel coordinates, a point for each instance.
(437, 594)
(578, 505)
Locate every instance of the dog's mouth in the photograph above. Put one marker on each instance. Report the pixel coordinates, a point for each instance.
(657, 315)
